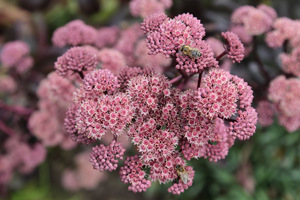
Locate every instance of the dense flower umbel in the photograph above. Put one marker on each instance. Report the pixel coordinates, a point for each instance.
(16, 55)
(265, 112)
(284, 29)
(167, 126)
(105, 158)
(291, 62)
(74, 33)
(76, 59)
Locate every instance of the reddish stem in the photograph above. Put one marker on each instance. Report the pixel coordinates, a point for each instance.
(16, 109)
(174, 80)
(221, 55)
(199, 79)
(6, 129)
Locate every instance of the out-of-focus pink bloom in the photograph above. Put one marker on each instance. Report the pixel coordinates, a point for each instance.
(122, 139)
(106, 36)
(22, 156)
(255, 20)
(235, 49)
(7, 84)
(265, 111)
(198, 64)
(112, 59)
(284, 93)
(16, 55)
(268, 10)
(101, 81)
(76, 59)
(156, 62)
(291, 62)
(6, 170)
(109, 113)
(153, 22)
(218, 95)
(284, 29)
(105, 158)
(55, 95)
(216, 45)
(173, 33)
(74, 33)
(144, 8)
(127, 41)
(84, 176)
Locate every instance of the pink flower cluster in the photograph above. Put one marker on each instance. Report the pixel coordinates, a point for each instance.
(16, 55)
(105, 158)
(21, 156)
(284, 29)
(291, 62)
(254, 20)
(74, 33)
(76, 59)
(285, 94)
(55, 95)
(144, 8)
(166, 126)
(265, 111)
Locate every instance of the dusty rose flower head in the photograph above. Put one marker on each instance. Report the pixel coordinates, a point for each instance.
(173, 33)
(76, 59)
(268, 10)
(144, 8)
(284, 93)
(284, 29)
(218, 95)
(133, 174)
(235, 49)
(265, 112)
(111, 59)
(55, 94)
(101, 81)
(109, 113)
(23, 157)
(106, 36)
(6, 169)
(105, 158)
(291, 62)
(16, 55)
(74, 33)
(255, 20)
